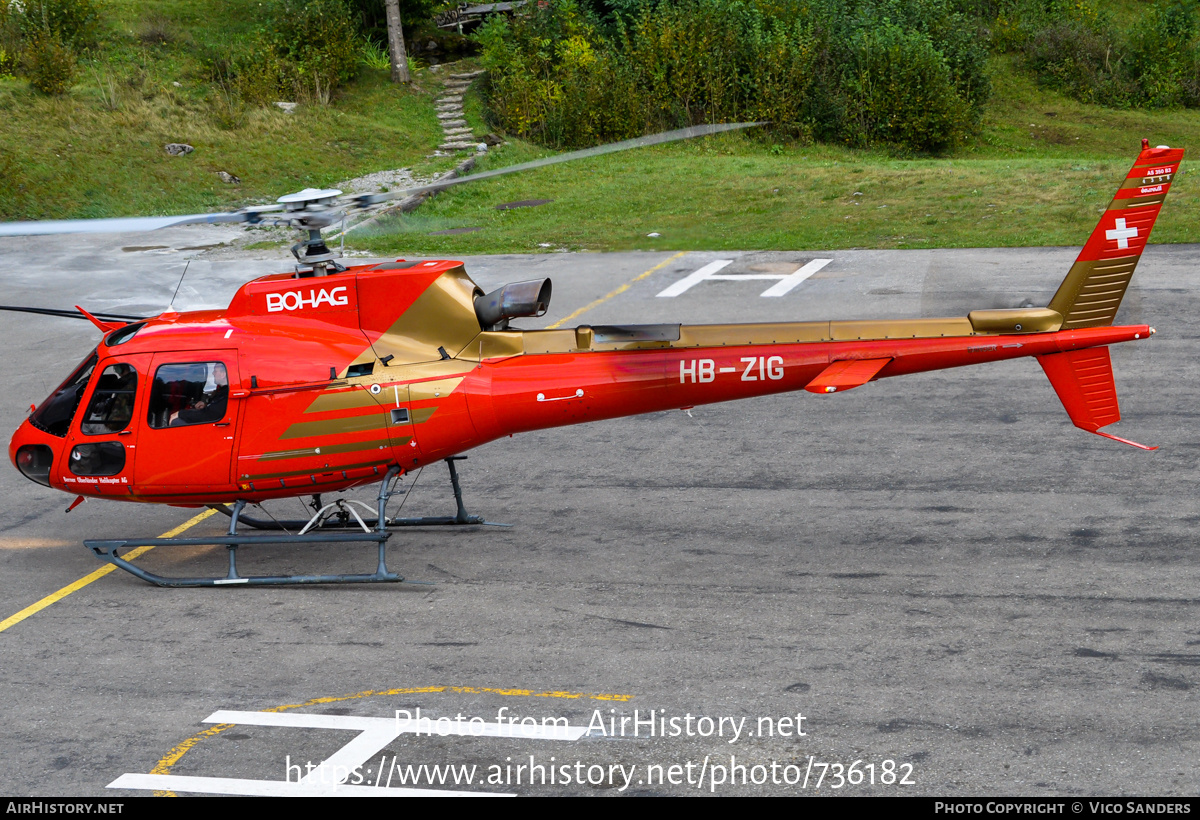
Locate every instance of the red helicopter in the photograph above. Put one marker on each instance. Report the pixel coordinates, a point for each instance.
(331, 377)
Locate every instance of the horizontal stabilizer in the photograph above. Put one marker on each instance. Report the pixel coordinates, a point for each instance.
(1083, 380)
(845, 375)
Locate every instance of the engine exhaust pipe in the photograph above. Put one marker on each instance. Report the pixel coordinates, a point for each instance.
(517, 299)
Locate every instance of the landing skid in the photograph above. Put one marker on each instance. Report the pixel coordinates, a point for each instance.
(109, 550)
(340, 515)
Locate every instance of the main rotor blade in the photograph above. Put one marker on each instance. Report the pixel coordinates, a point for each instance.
(367, 200)
(72, 314)
(305, 218)
(121, 224)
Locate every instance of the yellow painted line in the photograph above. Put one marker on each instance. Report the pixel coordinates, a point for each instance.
(616, 292)
(55, 597)
(468, 690)
(179, 750)
(172, 757)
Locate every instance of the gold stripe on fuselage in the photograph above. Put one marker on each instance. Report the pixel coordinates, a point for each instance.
(338, 426)
(352, 399)
(328, 449)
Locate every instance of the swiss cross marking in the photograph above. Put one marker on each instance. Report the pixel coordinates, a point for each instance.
(1121, 234)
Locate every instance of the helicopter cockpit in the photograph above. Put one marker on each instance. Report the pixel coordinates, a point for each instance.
(54, 416)
(98, 440)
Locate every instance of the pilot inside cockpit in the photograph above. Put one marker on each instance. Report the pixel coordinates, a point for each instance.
(187, 394)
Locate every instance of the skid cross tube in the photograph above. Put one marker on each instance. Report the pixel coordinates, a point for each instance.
(108, 550)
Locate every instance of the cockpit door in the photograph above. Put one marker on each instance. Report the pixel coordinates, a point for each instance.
(101, 443)
(190, 423)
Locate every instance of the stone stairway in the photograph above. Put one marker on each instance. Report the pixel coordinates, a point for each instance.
(459, 136)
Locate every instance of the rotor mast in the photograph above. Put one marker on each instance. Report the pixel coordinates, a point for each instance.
(313, 210)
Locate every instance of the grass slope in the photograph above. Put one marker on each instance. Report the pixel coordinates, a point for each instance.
(98, 151)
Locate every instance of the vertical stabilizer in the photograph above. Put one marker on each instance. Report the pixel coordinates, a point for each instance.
(1096, 283)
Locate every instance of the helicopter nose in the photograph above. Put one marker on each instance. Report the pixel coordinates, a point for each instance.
(32, 454)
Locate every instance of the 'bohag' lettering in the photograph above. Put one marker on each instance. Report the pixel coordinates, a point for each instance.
(295, 299)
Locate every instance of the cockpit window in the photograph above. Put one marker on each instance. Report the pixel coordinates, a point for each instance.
(185, 394)
(111, 408)
(55, 414)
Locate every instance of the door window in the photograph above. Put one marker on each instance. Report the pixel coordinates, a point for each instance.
(111, 408)
(187, 394)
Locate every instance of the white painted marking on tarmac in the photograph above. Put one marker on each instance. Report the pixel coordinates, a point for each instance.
(695, 278)
(786, 281)
(373, 735)
(275, 788)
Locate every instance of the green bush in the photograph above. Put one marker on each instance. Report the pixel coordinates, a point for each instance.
(307, 49)
(1162, 53)
(49, 64)
(8, 63)
(1075, 47)
(1073, 58)
(319, 37)
(75, 23)
(566, 74)
(41, 38)
(1191, 82)
(10, 39)
(901, 93)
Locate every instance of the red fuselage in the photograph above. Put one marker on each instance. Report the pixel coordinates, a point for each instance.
(311, 385)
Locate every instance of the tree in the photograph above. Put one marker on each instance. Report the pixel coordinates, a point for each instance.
(396, 43)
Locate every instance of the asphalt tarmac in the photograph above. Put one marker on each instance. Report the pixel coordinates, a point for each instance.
(930, 585)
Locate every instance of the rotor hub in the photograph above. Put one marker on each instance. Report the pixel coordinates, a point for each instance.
(310, 199)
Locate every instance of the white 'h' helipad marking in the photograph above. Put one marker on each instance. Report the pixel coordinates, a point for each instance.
(787, 281)
(328, 777)
(1122, 234)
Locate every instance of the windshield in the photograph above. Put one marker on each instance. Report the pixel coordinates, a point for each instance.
(55, 413)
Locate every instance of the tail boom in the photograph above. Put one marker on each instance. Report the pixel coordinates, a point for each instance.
(558, 388)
